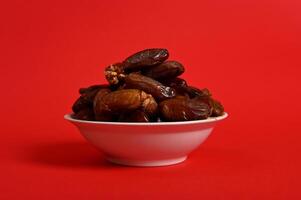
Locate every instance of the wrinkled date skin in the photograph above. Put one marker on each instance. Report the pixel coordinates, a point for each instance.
(145, 58)
(115, 73)
(183, 109)
(135, 116)
(137, 84)
(100, 111)
(195, 92)
(166, 70)
(149, 85)
(123, 101)
(218, 108)
(191, 91)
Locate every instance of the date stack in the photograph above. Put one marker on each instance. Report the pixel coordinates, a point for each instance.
(145, 87)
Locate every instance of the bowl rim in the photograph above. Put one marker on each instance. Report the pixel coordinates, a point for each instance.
(208, 120)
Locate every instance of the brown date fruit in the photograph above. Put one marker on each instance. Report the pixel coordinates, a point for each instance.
(85, 114)
(150, 106)
(207, 100)
(80, 104)
(135, 116)
(174, 82)
(89, 93)
(87, 97)
(181, 97)
(145, 58)
(103, 114)
(137, 84)
(122, 101)
(195, 92)
(191, 91)
(218, 108)
(149, 85)
(115, 73)
(183, 109)
(166, 70)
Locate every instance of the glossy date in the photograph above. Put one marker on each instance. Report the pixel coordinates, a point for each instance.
(137, 85)
(149, 85)
(217, 108)
(166, 70)
(174, 82)
(100, 111)
(145, 58)
(123, 101)
(183, 109)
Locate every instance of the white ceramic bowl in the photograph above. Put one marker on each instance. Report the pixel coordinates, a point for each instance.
(146, 144)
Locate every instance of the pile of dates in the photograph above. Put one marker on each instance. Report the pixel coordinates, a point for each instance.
(145, 87)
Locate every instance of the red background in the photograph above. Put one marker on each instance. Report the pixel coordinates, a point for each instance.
(246, 52)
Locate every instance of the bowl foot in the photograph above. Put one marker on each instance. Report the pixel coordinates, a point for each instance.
(147, 163)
